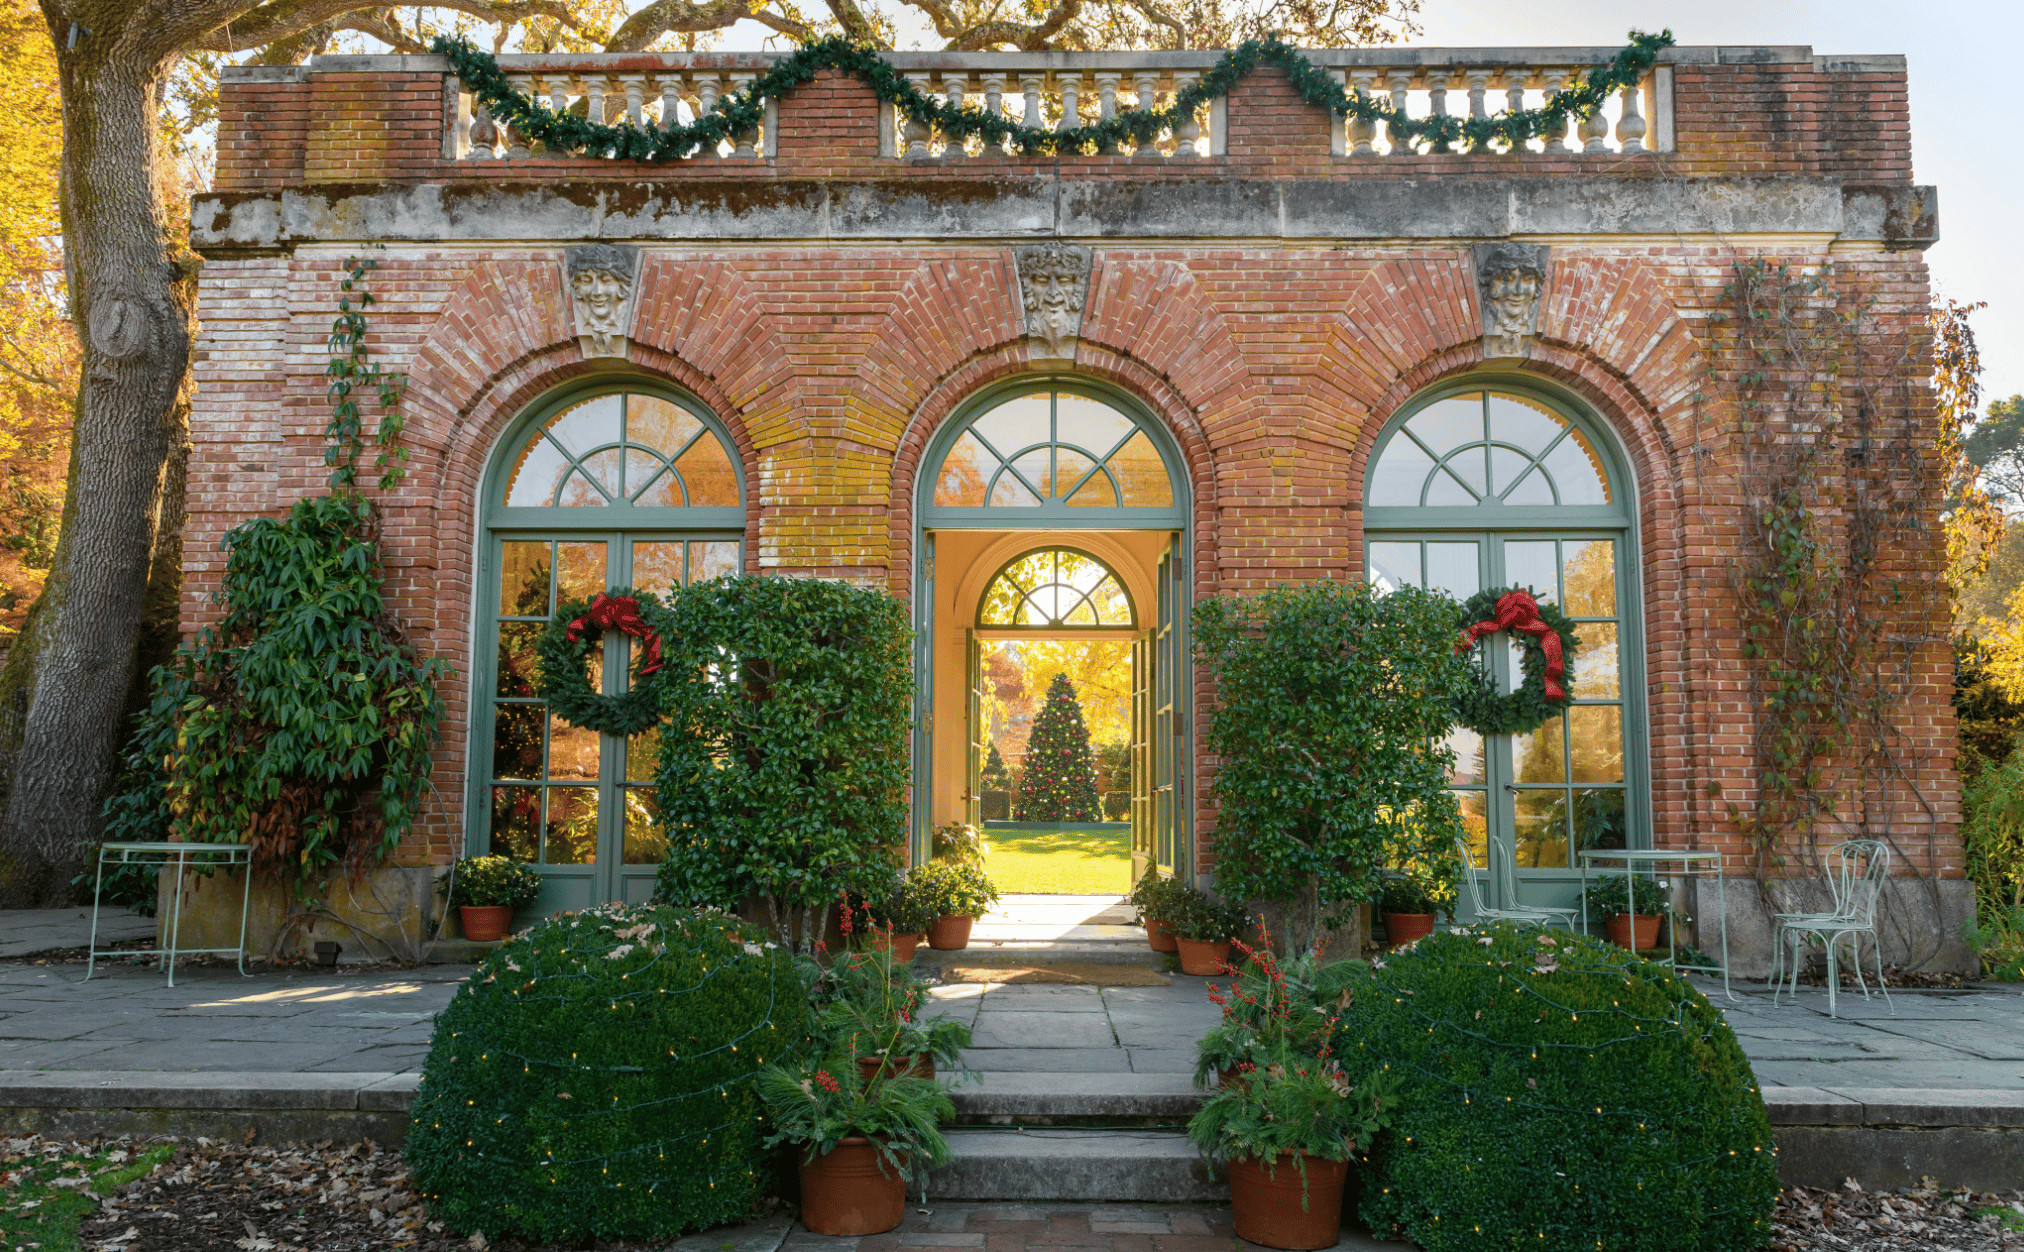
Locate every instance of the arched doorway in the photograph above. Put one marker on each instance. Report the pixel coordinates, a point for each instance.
(1473, 486)
(1025, 472)
(617, 484)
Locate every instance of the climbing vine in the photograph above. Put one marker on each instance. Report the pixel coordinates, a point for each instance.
(352, 369)
(740, 113)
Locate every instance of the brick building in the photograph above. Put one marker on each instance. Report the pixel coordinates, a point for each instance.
(1268, 350)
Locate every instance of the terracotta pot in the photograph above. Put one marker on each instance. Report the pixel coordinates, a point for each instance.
(1267, 1205)
(950, 933)
(1199, 956)
(846, 1194)
(485, 923)
(1647, 931)
(1406, 927)
(902, 945)
(1161, 935)
(920, 1065)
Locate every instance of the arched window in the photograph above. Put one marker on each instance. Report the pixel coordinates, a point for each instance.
(598, 486)
(1047, 455)
(1056, 589)
(1474, 487)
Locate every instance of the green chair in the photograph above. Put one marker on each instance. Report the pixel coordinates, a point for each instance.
(1856, 871)
(1537, 915)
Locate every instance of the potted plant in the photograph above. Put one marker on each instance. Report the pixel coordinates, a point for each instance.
(1157, 901)
(1287, 1135)
(485, 891)
(1612, 899)
(1274, 1009)
(859, 1140)
(1204, 931)
(959, 843)
(955, 896)
(867, 1006)
(896, 921)
(1409, 905)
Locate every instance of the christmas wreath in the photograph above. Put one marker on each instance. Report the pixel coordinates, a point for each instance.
(1547, 638)
(577, 628)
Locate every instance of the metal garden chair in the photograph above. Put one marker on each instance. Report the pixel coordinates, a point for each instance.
(1856, 871)
(1537, 915)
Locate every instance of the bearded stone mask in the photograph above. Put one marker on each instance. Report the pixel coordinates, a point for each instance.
(1053, 288)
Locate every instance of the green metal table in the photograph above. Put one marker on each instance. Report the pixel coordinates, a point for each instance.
(1692, 865)
(200, 857)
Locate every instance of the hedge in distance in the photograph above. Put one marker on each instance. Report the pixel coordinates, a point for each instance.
(1559, 1094)
(595, 1078)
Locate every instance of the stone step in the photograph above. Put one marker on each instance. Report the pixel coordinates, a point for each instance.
(1003, 1098)
(927, 960)
(1144, 1166)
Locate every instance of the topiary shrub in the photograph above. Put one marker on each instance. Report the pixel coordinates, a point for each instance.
(595, 1078)
(1559, 1094)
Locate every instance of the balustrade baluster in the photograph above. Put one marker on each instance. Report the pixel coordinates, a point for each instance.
(1400, 82)
(1437, 95)
(1556, 133)
(484, 135)
(1630, 128)
(1361, 129)
(671, 96)
(957, 89)
(593, 100)
(1071, 108)
(994, 104)
(1145, 99)
(1030, 87)
(516, 149)
(1514, 100)
(750, 134)
(706, 104)
(917, 130)
(1595, 132)
(1479, 86)
(1187, 132)
(1106, 106)
(635, 99)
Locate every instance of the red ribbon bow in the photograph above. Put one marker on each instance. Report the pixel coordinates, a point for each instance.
(1517, 610)
(620, 613)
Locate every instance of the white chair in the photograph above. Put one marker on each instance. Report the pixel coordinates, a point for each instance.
(1856, 871)
(1537, 915)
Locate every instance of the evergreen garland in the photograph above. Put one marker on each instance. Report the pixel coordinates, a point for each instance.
(1486, 712)
(1059, 784)
(566, 686)
(741, 112)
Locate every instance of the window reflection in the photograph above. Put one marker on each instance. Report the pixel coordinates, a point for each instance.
(1486, 448)
(1053, 446)
(618, 447)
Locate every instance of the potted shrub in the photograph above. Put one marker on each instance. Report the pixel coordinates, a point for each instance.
(485, 891)
(1409, 905)
(858, 1141)
(1273, 1009)
(867, 1006)
(894, 922)
(1287, 1135)
(959, 843)
(1204, 931)
(955, 896)
(1157, 901)
(1611, 898)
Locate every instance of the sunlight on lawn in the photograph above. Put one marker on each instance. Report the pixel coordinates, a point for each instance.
(1060, 862)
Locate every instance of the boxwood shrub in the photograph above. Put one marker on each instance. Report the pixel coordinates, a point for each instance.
(1559, 1094)
(594, 1079)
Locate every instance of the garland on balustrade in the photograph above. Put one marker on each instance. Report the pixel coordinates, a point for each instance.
(740, 113)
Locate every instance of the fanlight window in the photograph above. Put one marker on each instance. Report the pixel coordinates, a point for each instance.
(1488, 448)
(623, 448)
(1053, 446)
(1056, 589)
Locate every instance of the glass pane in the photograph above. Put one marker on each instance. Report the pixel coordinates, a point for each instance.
(1453, 568)
(518, 666)
(1476, 826)
(536, 475)
(1591, 577)
(1595, 662)
(1009, 492)
(1445, 489)
(1535, 564)
(1598, 742)
(516, 740)
(1089, 424)
(603, 468)
(664, 491)
(572, 751)
(645, 471)
(1035, 467)
(1400, 474)
(645, 842)
(580, 570)
(1577, 471)
(586, 427)
(1018, 423)
(1536, 758)
(1469, 765)
(1113, 607)
(1541, 829)
(707, 473)
(1095, 493)
(1142, 474)
(1468, 465)
(656, 566)
(1069, 467)
(642, 755)
(1505, 467)
(1395, 565)
(571, 836)
(1532, 489)
(961, 485)
(1448, 424)
(1523, 423)
(523, 579)
(1599, 819)
(516, 823)
(654, 423)
(712, 559)
(580, 492)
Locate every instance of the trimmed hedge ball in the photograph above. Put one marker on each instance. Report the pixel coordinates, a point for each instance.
(1560, 1094)
(595, 1078)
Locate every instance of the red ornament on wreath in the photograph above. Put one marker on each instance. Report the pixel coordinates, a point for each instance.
(565, 646)
(1547, 641)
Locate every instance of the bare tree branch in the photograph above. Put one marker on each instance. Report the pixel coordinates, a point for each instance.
(1036, 37)
(254, 27)
(385, 32)
(1153, 13)
(855, 24)
(662, 16)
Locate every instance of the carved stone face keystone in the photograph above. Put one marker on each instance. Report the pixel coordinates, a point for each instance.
(1510, 278)
(1053, 288)
(603, 280)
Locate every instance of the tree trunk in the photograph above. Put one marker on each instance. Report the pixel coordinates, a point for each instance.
(132, 289)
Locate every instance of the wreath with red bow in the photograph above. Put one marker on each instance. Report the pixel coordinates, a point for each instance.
(1548, 642)
(578, 627)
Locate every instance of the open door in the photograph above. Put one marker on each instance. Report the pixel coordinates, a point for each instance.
(979, 737)
(1167, 727)
(1141, 754)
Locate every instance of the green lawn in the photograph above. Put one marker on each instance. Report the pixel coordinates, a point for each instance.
(1060, 862)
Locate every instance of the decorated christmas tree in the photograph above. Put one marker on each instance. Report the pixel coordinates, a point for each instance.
(1060, 777)
(995, 776)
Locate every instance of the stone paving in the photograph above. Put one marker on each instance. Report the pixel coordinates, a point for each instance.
(24, 932)
(1069, 1227)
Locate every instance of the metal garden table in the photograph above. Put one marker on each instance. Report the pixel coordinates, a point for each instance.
(1692, 865)
(197, 856)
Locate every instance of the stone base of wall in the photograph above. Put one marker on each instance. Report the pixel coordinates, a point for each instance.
(1919, 921)
(383, 915)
